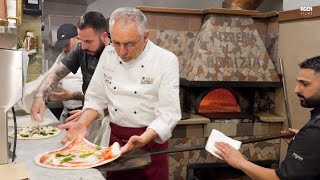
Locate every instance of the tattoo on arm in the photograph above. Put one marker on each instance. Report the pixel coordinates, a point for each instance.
(78, 96)
(51, 80)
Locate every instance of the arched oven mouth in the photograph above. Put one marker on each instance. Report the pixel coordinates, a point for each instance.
(221, 103)
(223, 100)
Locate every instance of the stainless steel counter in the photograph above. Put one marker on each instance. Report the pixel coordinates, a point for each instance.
(28, 149)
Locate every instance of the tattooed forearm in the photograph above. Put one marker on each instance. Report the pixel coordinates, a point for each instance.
(77, 96)
(51, 80)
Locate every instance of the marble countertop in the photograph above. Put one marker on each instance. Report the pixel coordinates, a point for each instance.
(28, 149)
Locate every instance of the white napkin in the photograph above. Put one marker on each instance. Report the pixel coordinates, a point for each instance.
(217, 136)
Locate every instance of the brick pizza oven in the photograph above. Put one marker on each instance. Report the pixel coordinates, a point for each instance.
(229, 80)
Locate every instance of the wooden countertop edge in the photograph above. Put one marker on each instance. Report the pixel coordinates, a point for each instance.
(230, 12)
(254, 14)
(297, 14)
(267, 15)
(170, 10)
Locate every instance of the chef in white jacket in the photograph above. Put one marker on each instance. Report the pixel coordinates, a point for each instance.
(139, 83)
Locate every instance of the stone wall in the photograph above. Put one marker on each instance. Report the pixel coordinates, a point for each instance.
(220, 47)
(268, 30)
(179, 33)
(196, 134)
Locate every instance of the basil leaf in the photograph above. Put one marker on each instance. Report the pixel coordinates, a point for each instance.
(85, 155)
(61, 155)
(67, 159)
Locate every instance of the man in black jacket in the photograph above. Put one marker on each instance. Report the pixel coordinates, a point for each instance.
(303, 156)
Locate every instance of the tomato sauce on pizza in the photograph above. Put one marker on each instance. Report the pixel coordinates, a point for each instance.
(78, 154)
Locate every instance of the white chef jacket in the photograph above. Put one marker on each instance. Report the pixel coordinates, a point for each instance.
(141, 93)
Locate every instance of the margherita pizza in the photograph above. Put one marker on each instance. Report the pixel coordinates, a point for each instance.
(36, 132)
(78, 154)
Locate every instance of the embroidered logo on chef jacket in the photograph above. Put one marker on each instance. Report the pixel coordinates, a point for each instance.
(108, 68)
(147, 80)
(107, 78)
(296, 156)
(111, 51)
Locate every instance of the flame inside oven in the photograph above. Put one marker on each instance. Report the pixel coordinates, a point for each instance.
(219, 100)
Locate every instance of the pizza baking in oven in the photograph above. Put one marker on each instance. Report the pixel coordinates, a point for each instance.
(35, 132)
(78, 154)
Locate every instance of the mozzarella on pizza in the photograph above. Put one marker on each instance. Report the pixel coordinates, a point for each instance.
(36, 132)
(79, 154)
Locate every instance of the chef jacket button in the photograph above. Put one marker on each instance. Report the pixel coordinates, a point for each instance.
(142, 66)
(114, 87)
(135, 112)
(115, 109)
(135, 92)
(120, 62)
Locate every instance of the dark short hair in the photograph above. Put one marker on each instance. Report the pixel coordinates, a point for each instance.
(311, 63)
(94, 20)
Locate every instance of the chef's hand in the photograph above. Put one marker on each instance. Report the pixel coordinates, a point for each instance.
(232, 156)
(74, 130)
(37, 109)
(63, 95)
(75, 115)
(288, 140)
(136, 142)
(133, 143)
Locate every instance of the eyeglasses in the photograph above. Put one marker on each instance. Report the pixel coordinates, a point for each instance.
(125, 45)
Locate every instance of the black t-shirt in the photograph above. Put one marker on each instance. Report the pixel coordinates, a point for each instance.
(303, 156)
(78, 58)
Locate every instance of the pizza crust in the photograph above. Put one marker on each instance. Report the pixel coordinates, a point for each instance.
(116, 155)
(26, 121)
(56, 133)
(37, 162)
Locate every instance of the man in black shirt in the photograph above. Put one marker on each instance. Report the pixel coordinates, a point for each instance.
(303, 156)
(93, 37)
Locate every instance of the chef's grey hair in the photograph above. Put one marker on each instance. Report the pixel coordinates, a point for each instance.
(129, 14)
